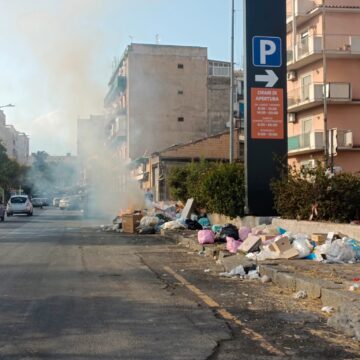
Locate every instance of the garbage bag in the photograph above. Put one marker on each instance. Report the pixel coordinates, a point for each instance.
(172, 225)
(216, 228)
(355, 246)
(244, 231)
(146, 230)
(149, 221)
(206, 237)
(193, 225)
(340, 251)
(232, 245)
(204, 222)
(230, 230)
(302, 245)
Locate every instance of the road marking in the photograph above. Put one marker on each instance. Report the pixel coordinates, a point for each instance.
(224, 313)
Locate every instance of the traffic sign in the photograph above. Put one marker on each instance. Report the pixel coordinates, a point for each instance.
(267, 51)
(265, 101)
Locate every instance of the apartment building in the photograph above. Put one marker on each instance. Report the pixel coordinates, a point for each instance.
(15, 142)
(323, 57)
(162, 95)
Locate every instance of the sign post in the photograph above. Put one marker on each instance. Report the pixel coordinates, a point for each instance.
(266, 101)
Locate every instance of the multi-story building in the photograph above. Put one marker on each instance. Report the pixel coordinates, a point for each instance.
(163, 95)
(323, 42)
(15, 142)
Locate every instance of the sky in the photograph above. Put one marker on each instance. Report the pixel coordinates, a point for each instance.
(56, 56)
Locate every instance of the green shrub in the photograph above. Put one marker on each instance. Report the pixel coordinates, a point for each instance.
(337, 197)
(217, 187)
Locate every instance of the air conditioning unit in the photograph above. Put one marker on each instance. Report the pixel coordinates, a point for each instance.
(292, 118)
(310, 164)
(291, 75)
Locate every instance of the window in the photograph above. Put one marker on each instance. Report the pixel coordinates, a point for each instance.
(180, 92)
(180, 119)
(305, 87)
(180, 66)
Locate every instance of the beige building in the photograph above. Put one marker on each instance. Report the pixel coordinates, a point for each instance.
(323, 42)
(15, 142)
(163, 95)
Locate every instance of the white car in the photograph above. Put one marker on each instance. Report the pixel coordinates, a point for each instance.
(19, 204)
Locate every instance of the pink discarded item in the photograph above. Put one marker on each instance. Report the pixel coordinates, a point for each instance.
(244, 231)
(206, 237)
(232, 245)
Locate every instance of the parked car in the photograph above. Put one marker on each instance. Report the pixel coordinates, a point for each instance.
(19, 204)
(45, 201)
(37, 202)
(56, 202)
(2, 211)
(70, 203)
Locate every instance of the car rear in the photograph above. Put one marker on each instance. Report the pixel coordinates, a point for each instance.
(19, 204)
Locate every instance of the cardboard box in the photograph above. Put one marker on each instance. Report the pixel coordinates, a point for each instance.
(251, 243)
(284, 249)
(265, 238)
(130, 223)
(319, 238)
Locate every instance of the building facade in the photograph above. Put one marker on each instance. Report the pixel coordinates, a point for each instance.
(323, 48)
(163, 95)
(16, 143)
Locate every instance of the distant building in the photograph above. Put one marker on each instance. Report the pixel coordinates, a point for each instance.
(162, 95)
(15, 142)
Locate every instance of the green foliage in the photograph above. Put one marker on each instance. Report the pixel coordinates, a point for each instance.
(336, 198)
(224, 190)
(11, 173)
(216, 186)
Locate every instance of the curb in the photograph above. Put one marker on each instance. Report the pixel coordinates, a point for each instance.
(329, 293)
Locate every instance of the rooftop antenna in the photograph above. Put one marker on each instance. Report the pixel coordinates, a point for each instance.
(157, 39)
(131, 39)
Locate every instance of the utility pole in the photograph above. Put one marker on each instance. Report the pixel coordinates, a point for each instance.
(325, 88)
(231, 155)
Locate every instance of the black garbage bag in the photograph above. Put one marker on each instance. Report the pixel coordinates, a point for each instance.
(229, 230)
(193, 225)
(146, 230)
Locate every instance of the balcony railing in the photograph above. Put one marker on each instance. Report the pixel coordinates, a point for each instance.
(313, 92)
(307, 141)
(336, 45)
(302, 7)
(314, 141)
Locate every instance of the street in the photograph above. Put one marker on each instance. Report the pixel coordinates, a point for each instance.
(69, 291)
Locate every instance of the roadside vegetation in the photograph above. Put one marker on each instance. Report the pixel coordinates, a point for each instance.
(300, 194)
(218, 187)
(12, 174)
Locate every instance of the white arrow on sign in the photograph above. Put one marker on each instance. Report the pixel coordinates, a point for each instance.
(271, 78)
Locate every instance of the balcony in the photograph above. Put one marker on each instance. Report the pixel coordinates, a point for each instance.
(303, 10)
(305, 143)
(117, 87)
(310, 49)
(314, 141)
(311, 95)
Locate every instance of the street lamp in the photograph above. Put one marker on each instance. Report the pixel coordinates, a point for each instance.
(8, 105)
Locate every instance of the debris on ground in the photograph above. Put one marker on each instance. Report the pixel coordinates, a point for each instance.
(302, 294)
(327, 309)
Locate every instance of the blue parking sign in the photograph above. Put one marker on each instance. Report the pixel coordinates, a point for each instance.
(267, 51)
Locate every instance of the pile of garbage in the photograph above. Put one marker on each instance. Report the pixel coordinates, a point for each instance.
(265, 242)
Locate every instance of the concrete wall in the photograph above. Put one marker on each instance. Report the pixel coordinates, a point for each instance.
(160, 93)
(309, 227)
(218, 103)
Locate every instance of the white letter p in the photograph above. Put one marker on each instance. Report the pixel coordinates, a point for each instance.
(267, 48)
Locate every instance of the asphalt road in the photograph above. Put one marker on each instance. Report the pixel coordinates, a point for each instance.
(69, 291)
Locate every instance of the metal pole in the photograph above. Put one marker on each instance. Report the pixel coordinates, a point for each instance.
(231, 155)
(294, 31)
(326, 137)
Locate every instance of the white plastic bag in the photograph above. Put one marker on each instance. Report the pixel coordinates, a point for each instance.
(149, 221)
(302, 245)
(339, 251)
(172, 225)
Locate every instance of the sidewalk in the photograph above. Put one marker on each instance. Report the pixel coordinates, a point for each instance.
(328, 282)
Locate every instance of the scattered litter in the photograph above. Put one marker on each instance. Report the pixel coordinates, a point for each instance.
(207, 270)
(302, 294)
(239, 270)
(327, 309)
(206, 237)
(253, 275)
